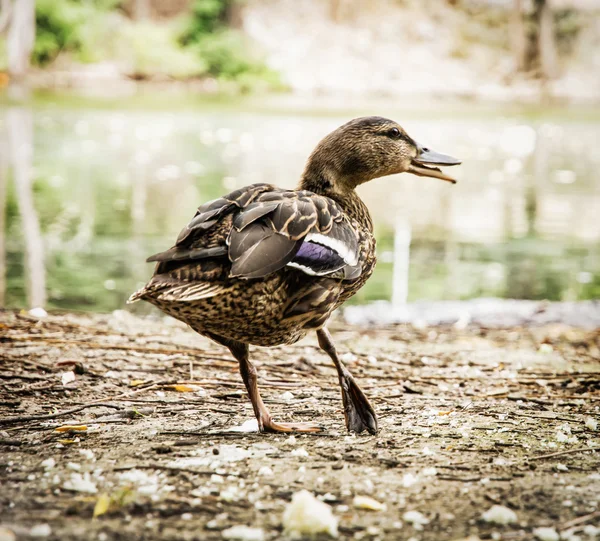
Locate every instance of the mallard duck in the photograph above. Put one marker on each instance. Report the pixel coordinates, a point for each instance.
(266, 266)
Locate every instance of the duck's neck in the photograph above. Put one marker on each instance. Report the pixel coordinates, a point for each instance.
(349, 201)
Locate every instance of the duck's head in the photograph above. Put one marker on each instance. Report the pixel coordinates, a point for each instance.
(366, 148)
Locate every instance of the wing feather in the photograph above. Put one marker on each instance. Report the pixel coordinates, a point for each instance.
(251, 233)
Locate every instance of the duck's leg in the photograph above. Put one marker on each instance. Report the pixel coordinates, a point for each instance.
(265, 423)
(358, 411)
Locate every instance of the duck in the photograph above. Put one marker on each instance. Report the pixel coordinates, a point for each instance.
(265, 266)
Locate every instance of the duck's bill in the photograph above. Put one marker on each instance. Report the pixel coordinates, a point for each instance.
(424, 164)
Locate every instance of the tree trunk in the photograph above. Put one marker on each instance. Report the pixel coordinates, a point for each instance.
(3, 193)
(335, 10)
(5, 13)
(21, 37)
(517, 34)
(235, 14)
(20, 133)
(546, 42)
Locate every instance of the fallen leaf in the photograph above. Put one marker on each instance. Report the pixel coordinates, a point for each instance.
(181, 388)
(71, 428)
(102, 505)
(136, 382)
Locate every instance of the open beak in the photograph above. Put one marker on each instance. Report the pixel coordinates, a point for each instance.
(425, 158)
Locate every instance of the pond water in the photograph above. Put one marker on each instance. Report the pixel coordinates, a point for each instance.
(89, 192)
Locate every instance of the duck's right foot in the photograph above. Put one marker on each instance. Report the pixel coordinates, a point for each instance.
(358, 411)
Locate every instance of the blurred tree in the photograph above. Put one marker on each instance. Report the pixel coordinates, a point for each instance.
(19, 17)
(533, 38)
(545, 39)
(518, 37)
(3, 200)
(347, 10)
(20, 130)
(5, 11)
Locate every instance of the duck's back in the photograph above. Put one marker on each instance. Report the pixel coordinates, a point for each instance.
(262, 265)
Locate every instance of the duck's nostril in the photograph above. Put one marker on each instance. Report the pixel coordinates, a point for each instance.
(425, 149)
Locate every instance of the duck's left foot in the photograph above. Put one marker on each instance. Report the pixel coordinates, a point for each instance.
(272, 426)
(358, 411)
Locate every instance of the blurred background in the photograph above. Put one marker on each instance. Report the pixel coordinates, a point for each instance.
(119, 117)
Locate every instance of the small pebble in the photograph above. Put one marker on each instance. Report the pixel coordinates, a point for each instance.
(415, 518)
(499, 514)
(265, 471)
(546, 534)
(48, 464)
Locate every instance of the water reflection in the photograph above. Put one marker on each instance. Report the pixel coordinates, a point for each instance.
(103, 189)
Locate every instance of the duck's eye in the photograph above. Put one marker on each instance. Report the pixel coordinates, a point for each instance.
(395, 132)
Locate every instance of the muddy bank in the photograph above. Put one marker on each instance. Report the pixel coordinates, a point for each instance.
(470, 418)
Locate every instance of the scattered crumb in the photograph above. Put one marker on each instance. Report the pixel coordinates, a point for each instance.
(306, 515)
(48, 464)
(81, 483)
(67, 377)
(591, 423)
(87, 453)
(591, 531)
(499, 514)
(251, 425)
(40, 530)
(265, 471)
(287, 396)
(366, 502)
(408, 480)
(546, 534)
(561, 467)
(243, 533)
(300, 451)
(417, 519)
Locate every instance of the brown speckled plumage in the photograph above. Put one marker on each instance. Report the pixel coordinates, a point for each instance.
(266, 266)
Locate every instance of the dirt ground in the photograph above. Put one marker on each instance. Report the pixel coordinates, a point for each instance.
(469, 418)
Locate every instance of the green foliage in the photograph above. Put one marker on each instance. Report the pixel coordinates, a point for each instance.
(225, 52)
(199, 44)
(228, 56)
(58, 28)
(152, 50)
(208, 16)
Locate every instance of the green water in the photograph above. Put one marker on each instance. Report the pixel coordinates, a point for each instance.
(115, 181)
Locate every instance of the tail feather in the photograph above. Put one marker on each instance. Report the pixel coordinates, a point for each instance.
(177, 291)
(138, 295)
